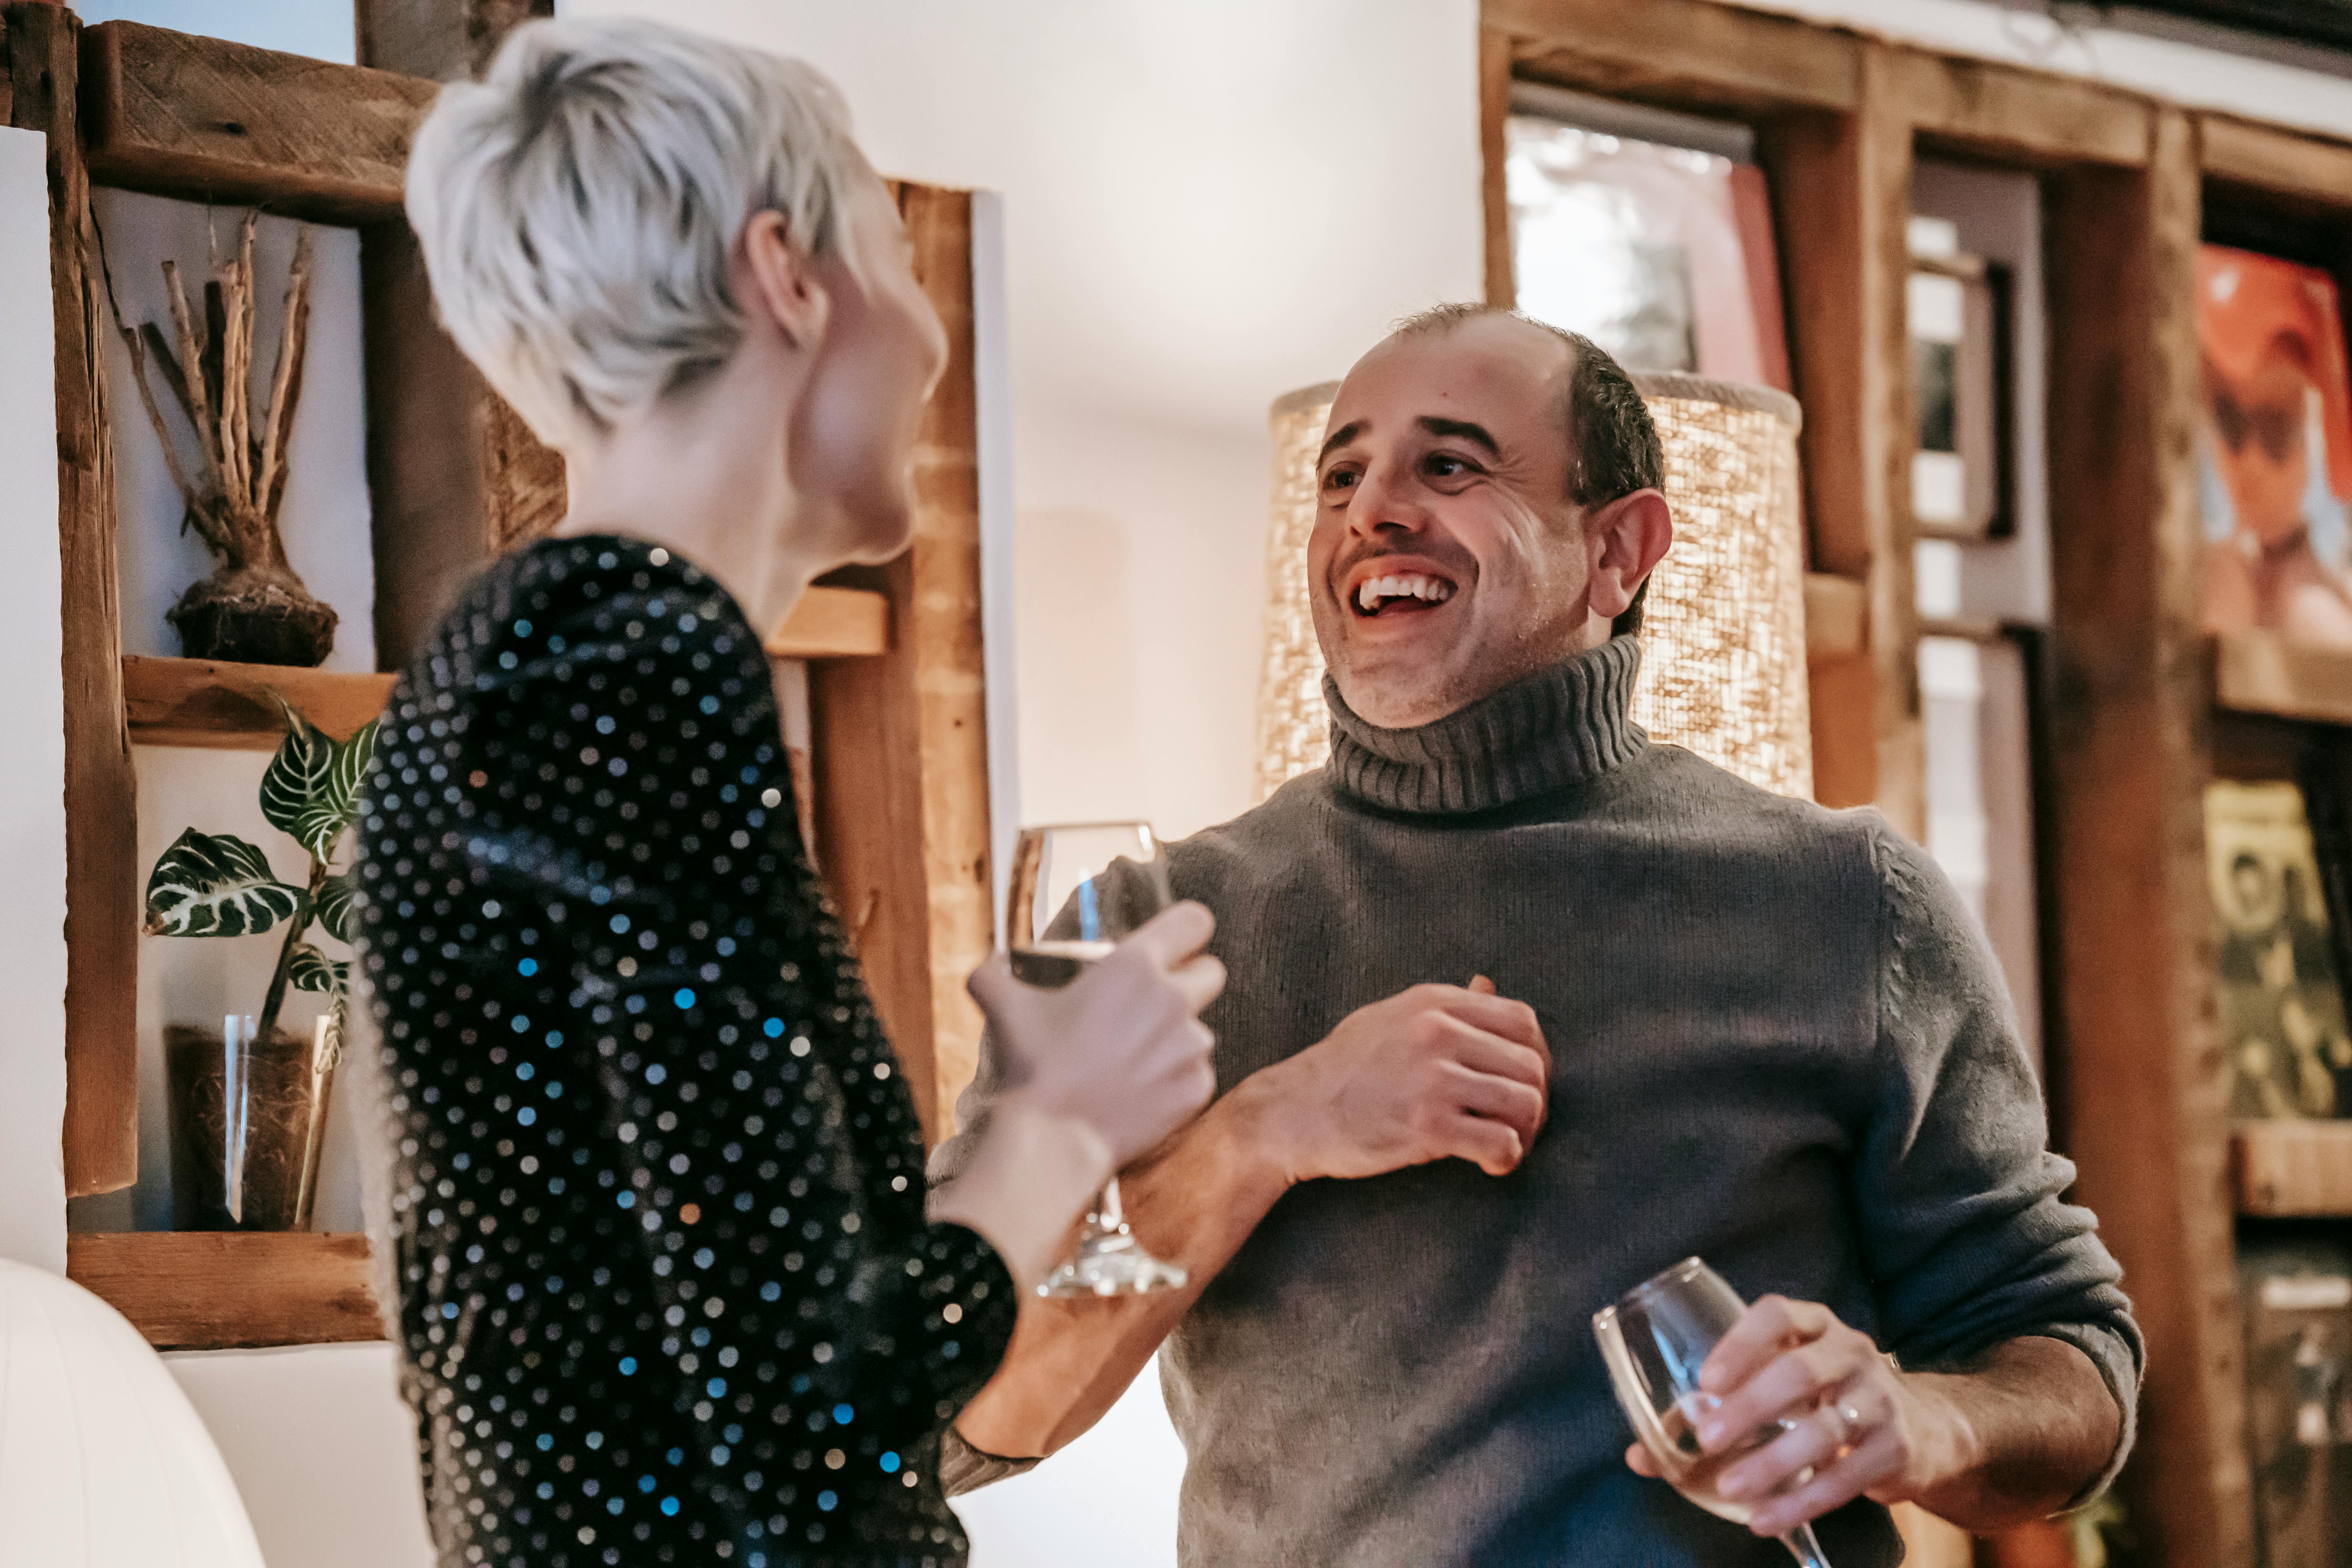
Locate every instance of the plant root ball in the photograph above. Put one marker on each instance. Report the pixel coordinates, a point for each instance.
(253, 617)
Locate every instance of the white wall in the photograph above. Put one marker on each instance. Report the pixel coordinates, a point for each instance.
(32, 714)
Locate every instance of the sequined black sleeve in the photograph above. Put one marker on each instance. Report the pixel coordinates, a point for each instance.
(666, 1287)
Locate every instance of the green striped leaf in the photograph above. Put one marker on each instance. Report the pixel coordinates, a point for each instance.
(311, 970)
(298, 774)
(210, 884)
(334, 906)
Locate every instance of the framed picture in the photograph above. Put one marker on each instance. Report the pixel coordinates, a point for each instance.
(2282, 1010)
(1958, 308)
(2275, 449)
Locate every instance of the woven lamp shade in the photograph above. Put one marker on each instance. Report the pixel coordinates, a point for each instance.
(1723, 636)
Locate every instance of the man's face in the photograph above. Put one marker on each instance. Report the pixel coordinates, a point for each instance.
(1448, 559)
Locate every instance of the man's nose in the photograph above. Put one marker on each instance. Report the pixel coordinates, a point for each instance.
(1384, 505)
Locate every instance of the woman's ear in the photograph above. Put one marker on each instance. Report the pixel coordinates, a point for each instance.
(1629, 536)
(785, 287)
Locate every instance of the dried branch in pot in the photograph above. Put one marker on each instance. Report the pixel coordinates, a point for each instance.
(253, 607)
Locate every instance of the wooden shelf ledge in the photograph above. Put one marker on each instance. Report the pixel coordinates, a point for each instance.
(833, 623)
(208, 1291)
(2293, 1168)
(2263, 672)
(224, 706)
(1837, 616)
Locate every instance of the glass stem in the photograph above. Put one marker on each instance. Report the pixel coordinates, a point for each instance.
(1804, 1548)
(1109, 1215)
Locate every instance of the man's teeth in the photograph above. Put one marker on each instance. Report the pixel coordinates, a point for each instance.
(1370, 596)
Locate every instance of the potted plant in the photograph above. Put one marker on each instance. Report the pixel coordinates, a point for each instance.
(253, 608)
(250, 1100)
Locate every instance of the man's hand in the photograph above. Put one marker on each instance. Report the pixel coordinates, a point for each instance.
(1433, 1073)
(2011, 1441)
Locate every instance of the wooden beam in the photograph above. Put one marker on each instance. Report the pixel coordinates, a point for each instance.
(102, 1125)
(1494, 110)
(209, 1291)
(1991, 109)
(833, 623)
(1683, 54)
(2265, 672)
(205, 119)
(900, 740)
(2141, 1087)
(444, 40)
(2293, 1169)
(1837, 616)
(222, 706)
(2311, 170)
(1841, 199)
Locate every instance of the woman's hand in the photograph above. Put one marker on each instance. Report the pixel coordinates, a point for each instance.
(1121, 1047)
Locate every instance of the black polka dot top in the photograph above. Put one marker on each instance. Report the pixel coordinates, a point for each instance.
(666, 1292)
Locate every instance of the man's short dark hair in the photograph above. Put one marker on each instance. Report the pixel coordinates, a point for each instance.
(1612, 443)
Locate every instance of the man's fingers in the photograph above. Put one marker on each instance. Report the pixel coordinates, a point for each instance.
(1639, 1460)
(1482, 986)
(1790, 1383)
(1490, 1145)
(1498, 1057)
(1517, 1105)
(1174, 934)
(1497, 1014)
(1833, 1488)
(1810, 1443)
(1766, 1329)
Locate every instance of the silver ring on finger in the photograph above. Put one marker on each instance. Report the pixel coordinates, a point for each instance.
(1851, 1419)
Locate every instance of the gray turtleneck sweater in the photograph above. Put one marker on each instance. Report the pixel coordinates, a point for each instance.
(1779, 1043)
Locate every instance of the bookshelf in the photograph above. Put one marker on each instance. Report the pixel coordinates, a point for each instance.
(2139, 710)
(897, 683)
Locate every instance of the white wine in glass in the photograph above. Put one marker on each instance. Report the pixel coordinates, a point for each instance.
(1077, 889)
(1655, 1339)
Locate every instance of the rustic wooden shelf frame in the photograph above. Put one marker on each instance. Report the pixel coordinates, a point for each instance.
(898, 685)
(2138, 1086)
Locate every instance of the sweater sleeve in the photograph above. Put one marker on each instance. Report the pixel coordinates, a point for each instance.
(1958, 1196)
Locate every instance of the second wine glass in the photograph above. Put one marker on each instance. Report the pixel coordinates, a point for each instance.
(1077, 889)
(1654, 1341)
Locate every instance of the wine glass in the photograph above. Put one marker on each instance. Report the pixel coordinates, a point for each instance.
(1077, 889)
(1655, 1339)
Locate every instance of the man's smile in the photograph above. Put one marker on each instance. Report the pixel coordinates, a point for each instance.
(1392, 586)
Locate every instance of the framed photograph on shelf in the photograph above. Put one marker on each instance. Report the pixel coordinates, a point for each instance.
(1958, 308)
(2282, 1008)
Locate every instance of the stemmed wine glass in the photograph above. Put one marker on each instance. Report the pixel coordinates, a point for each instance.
(1655, 1339)
(1077, 889)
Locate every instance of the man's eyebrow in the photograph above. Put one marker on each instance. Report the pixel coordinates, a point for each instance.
(1339, 437)
(1462, 428)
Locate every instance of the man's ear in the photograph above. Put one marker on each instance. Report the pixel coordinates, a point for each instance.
(785, 284)
(1628, 535)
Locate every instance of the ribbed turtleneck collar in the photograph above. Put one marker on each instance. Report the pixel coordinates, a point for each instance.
(1561, 726)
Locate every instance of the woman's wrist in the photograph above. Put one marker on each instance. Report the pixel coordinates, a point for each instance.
(1031, 1174)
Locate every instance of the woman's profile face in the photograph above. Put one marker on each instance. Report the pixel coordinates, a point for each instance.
(883, 350)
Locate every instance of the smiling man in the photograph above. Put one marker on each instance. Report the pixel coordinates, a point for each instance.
(1718, 1022)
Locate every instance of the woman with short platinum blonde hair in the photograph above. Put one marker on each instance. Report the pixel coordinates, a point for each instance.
(671, 1287)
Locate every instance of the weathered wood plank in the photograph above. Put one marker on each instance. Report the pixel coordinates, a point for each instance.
(219, 705)
(1842, 196)
(1990, 109)
(206, 1291)
(1683, 54)
(444, 40)
(101, 1132)
(900, 739)
(1837, 616)
(2309, 169)
(2140, 1083)
(2264, 672)
(1494, 110)
(207, 120)
(2294, 1168)
(833, 623)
